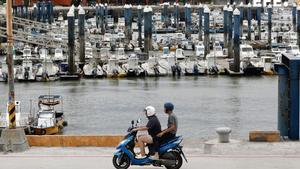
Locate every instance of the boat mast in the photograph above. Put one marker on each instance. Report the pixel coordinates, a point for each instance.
(10, 64)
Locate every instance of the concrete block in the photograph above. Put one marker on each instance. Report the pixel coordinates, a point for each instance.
(13, 140)
(264, 136)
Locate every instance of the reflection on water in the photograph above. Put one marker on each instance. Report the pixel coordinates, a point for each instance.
(106, 106)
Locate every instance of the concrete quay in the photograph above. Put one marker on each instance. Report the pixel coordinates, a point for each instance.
(233, 155)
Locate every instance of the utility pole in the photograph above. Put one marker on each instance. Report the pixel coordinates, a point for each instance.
(12, 139)
(10, 64)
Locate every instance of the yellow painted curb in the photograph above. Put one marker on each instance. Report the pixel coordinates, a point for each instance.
(74, 141)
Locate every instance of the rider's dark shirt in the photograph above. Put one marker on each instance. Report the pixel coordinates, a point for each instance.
(153, 126)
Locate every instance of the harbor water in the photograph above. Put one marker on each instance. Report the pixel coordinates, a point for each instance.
(106, 106)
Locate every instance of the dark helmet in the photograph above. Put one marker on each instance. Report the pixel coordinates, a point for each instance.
(169, 106)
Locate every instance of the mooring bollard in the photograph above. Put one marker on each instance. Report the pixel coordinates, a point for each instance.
(200, 13)
(206, 30)
(223, 134)
(140, 20)
(270, 10)
(147, 29)
(249, 17)
(236, 40)
(81, 21)
(230, 43)
(71, 40)
(225, 23)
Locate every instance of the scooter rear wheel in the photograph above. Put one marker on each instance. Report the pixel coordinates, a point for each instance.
(178, 159)
(122, 163)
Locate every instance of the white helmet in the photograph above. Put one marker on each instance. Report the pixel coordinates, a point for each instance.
(150, 111)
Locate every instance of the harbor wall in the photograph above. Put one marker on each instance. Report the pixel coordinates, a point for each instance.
(74, 140)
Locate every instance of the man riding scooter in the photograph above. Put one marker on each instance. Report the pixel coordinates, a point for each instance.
(153, 127)
(170, 153)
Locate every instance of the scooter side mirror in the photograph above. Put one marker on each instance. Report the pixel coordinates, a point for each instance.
(132, 122)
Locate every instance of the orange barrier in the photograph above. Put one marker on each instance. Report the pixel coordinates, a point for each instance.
(74, 141)
(264, 136)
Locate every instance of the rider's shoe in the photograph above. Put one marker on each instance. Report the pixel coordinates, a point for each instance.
(154, 157)
(140, 156)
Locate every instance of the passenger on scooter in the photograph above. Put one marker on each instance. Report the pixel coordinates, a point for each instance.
(153, 126)
(170, 132)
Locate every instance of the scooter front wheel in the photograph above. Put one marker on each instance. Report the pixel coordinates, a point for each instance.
(122, 162)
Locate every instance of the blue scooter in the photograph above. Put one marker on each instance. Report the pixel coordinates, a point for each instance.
(170, 153)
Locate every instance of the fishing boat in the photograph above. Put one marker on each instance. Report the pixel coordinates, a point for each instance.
(92, 70)
(49, 119)
(47, 71)
(121, 56)
(59, 55)
(132, 67)
(249, 61)
(26, 72)
(112, 69)
(193, 67)
(199, 50)
(43, 53)
(152, 68)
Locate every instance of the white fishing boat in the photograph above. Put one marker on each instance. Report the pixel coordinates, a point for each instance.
(59, 55)
(152, 68)
(132, 67)
(168, 62)
(249, 61)
(26, 72)
(49, 119)
(88, 52)
(199, 50)
(293, 49)
(104, 54)
(27, 52)
(43, 54)
(121, 56)
(194, 67)
(47, 71)
(112, 69)
(92, 70)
